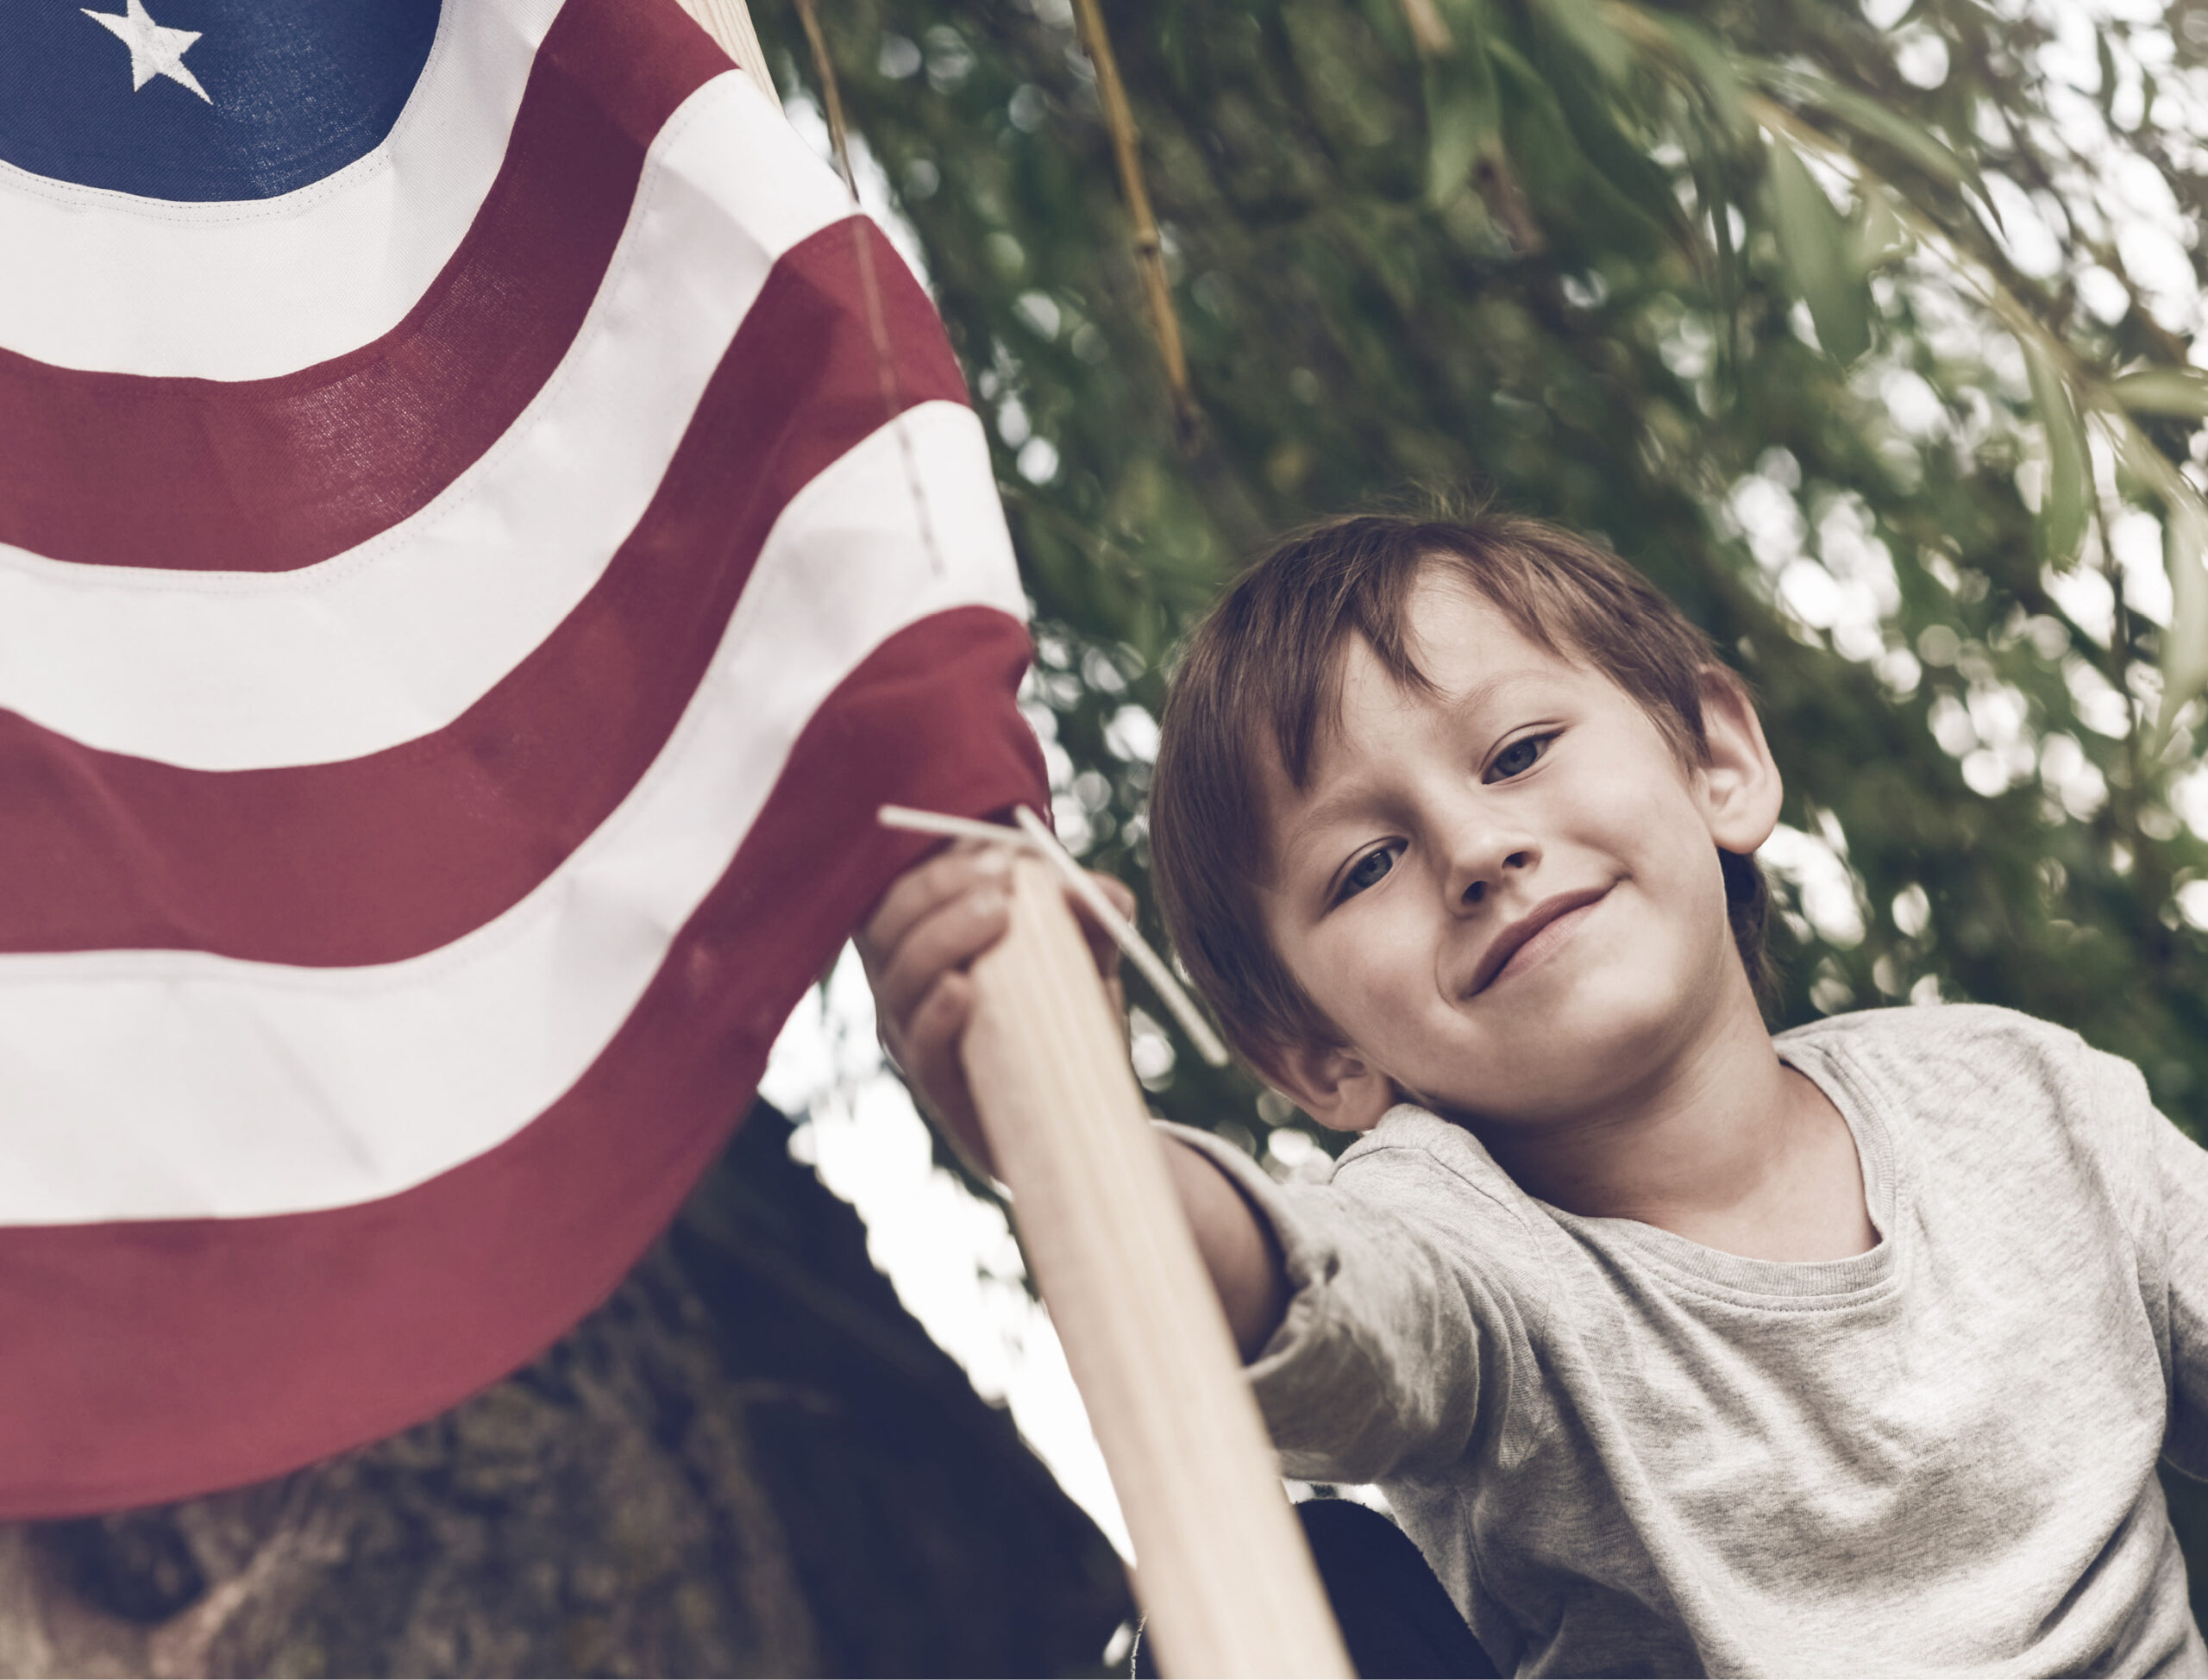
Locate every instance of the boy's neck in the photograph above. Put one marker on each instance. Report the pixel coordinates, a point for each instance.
(1726, 1146)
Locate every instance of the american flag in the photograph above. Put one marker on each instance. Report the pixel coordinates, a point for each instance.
(468, 574)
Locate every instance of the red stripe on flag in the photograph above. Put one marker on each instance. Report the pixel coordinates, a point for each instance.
(268, 475)
(384, 857)
(152, 1360)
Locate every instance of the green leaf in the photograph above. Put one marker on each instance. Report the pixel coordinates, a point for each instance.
(1464, 117)
(2185, 556)
(1879, 236)
(2178, 393)
(1576, 166)
(2184, 650)
(1581, 22)
(1874, 122)
(1713, 69)
(2069, 492)
(1820, 256)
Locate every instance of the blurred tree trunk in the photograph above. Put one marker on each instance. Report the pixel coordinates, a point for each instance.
(749, 1461)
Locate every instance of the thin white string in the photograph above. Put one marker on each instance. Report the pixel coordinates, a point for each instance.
(877, 323)
(1035, 835)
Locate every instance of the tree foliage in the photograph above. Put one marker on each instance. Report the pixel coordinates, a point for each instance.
(1866, 334)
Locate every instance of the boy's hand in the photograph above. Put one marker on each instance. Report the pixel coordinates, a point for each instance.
(918, 947)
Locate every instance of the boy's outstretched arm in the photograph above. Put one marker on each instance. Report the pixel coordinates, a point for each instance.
(918, 946)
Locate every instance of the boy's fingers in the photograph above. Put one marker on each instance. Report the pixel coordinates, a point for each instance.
(1102, 947)
(928, 1044)
(948, 937)
(946, 910)
(931, 1059)
(926, 885)
(923, 888)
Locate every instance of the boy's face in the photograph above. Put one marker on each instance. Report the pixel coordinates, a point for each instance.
(1506, 894)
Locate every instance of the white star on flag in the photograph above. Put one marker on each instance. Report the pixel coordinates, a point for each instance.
(153, 51)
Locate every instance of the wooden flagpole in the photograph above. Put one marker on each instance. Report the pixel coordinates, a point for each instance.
(729, 22)
(1223, 1574)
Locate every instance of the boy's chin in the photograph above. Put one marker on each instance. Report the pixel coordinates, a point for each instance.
(1576, 1064)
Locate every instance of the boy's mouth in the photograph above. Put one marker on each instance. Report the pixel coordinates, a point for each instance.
(1515, 937)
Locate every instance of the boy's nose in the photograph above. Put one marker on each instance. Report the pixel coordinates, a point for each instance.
(1484, 863)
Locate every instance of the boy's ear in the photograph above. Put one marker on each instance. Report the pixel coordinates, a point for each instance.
(1333, 1087)
(1739, 783)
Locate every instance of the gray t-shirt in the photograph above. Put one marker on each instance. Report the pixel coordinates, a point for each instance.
(1626, 1453)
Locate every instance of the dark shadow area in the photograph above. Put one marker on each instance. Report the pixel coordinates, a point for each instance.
(751, 1461)
(2188, 1502)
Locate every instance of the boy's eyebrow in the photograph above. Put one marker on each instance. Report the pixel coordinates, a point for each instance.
(1317, 816)
(1483, 692)
(1479, 695)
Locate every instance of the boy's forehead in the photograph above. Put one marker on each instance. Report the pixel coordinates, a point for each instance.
(1472, 656)
(1468, 649)
(1455, 631)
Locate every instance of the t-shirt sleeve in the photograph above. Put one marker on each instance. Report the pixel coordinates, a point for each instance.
(2158, 1178)
(2180, 1174)
(1397, 1339)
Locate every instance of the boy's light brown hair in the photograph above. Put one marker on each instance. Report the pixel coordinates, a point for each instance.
(1261, 675)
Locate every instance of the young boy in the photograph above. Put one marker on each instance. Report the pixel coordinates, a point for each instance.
(1677, 1348)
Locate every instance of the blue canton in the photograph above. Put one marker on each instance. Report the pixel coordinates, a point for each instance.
(204, 99)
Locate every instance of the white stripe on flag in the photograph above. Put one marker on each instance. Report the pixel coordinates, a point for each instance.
(164, 1084)
(248, 290)
(394, 639)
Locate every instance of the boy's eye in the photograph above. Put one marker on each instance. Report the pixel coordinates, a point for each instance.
(1518, 757)
(1368, 870)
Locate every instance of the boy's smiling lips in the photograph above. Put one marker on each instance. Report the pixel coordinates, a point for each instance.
(1514, 936)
